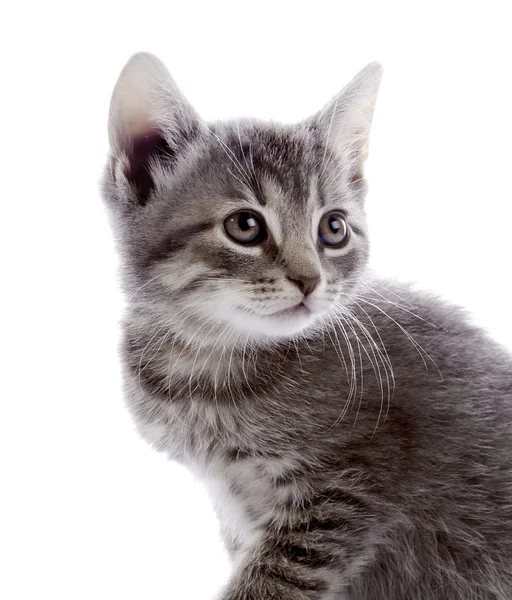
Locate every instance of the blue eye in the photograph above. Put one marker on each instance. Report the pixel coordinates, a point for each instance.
(245, 228)
(333, 230)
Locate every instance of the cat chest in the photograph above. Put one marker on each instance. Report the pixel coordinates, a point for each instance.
(244, 492)
(194, 430)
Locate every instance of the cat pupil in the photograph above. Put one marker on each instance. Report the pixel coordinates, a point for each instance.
(246, 222)
(335, 225)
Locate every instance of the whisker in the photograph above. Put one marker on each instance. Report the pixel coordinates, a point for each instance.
(230, 154)
(361, 370)
(353, 379)
(421, 351)
(256, 179)
(385, 363)
(323, 163)
(138, 290)
(385, 359)
(407, 310)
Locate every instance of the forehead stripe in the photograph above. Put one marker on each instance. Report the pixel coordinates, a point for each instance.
(177, 240)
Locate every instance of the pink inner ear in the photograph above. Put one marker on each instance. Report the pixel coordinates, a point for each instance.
(145, 148)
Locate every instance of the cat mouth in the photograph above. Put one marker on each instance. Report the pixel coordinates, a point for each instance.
(294, 311)
(297, 310)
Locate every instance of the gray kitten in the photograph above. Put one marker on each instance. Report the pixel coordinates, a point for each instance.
(355, 436)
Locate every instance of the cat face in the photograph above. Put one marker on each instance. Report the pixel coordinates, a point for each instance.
(248, 229)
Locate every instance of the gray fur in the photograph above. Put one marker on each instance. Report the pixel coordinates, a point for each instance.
(360, 450)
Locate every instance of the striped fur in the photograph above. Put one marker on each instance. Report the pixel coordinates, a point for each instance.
(358, 451)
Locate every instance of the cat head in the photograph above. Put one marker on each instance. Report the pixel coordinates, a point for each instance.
(244, 228)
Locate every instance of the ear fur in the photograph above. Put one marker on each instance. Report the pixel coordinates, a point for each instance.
(346, 121)
(149, 121)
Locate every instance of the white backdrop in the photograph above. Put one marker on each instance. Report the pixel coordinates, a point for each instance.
(87, 510)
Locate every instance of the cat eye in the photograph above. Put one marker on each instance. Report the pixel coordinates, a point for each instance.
(245, 227)
(333, 230)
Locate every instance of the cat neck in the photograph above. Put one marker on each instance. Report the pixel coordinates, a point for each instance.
(165, 362)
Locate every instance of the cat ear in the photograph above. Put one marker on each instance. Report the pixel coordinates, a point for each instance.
(149, 121)
(346, 121)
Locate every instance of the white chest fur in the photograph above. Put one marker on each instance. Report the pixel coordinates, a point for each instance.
(244, 495)
(200, 436)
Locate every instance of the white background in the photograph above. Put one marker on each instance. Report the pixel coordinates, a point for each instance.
(87, 510)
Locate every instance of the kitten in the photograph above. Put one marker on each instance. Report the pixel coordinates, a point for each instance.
(355, 436)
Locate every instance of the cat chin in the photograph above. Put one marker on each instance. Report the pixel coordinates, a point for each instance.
(277, 325)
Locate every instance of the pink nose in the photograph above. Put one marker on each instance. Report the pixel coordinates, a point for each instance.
(305, 284)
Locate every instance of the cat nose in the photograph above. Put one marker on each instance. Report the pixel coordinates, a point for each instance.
(305, 284)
